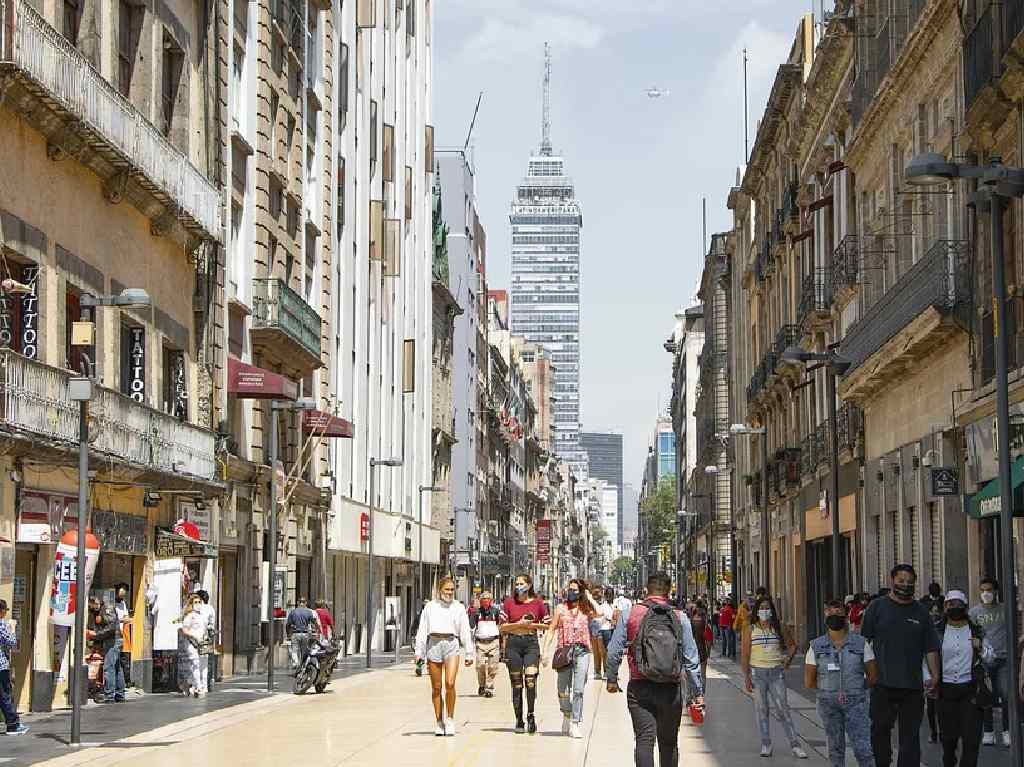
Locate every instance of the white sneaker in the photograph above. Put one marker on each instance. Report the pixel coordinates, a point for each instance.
(449, 726)
(439, 730)
(766, 750)
(566, 724)
(1006, 738)
(988, 739)
(574, 730)
(799, 753)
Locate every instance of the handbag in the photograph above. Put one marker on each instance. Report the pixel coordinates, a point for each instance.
(563, 657)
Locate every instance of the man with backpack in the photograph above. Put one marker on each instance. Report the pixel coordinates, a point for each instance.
(661, 651)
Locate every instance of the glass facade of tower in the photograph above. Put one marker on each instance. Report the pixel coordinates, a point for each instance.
(546, 223)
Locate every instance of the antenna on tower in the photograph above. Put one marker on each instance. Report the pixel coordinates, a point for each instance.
(545, 140)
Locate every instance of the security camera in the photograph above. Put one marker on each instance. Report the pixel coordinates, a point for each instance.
(928, 459)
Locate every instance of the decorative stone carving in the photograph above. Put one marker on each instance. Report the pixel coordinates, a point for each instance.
(115, 187)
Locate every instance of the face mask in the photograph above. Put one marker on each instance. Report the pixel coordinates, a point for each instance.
(485, 604)
(836, 622)
(572, 596)
(522, 589)
(956, 613)
(904, 591)
(988, 597)
(764, 615)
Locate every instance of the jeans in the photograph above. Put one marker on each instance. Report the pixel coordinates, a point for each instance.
(7, 701)
(656, 710)
(113, 674)
(572, 681)
(842, 720)
(998, 673)
(889, 705)
(770, 688)
(728, 643)
(298, 648)
(960, 723)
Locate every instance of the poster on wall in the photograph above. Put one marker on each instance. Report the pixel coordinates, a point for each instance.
(6, 564)
(167, 607)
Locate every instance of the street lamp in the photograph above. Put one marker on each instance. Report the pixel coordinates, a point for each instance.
(837, 366)
(423, 489)
(999, 183)
(80, 390)
(374, 463)
(276, 406)
(742, 430)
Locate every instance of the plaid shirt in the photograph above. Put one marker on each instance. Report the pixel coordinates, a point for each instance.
(7, 641)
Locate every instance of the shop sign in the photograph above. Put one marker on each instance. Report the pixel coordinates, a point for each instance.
(364, 527)
(137, 364)
(544, 541)
(43, 517)
(180, 410)
(188, 510)
(119, 533)
(945, 481)
(30, 314)
(280, 586)
(171, 546)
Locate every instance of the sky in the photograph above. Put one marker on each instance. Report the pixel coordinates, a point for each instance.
(640, 165)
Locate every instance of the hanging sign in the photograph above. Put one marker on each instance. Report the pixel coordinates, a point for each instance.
(137, 364)
(30, 314)
(180, 388)
(945, 481)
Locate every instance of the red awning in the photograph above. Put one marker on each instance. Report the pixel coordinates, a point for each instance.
(325, 424)
(251, 382)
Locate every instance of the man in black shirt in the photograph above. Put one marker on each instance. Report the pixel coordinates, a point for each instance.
(903, 637)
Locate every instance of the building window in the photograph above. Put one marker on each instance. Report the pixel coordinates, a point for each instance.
(174, 61)
(72, 310)
(129, 24)
(341, 194)
(373, 138)
(72, 17)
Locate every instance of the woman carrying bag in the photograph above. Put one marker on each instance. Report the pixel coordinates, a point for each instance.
(570, 626)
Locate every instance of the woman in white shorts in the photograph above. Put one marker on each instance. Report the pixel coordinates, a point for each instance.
(444, 636)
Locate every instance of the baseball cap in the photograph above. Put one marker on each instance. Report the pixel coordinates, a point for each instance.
(956, 594)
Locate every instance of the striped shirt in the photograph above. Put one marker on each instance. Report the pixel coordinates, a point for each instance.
(765, 648)
(8, 641)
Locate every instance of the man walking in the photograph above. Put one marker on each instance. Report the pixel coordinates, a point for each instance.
(990, 617)
(484, 619)
(105, 633)
(841, 666)
(8, 641)
(300, 628)
(661, 650)
(902, 637)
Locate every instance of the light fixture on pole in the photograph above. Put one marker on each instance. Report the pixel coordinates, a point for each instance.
(423, 489)
(998, 184)
(80, 390)
(742, 430)
(368, 629)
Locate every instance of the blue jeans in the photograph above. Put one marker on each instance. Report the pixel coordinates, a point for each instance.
(770, 689)
(572, 681)
(999, 675)
(846, 720)
(7, 701)
(113, 674)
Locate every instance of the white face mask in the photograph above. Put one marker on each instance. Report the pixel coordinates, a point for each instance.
(764, 615)
(988, 597)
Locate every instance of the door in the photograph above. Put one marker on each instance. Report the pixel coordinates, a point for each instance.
(22, 611)
(227, 611)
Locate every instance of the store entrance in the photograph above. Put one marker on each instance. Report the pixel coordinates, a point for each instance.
(22, 611)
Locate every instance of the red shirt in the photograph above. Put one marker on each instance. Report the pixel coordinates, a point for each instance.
(326, 621)
(725, 617)
(514, 611)
(636, 615)
(856, 613)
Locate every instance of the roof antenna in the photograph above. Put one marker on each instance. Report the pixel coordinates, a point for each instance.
(472, 123)
(545, 140)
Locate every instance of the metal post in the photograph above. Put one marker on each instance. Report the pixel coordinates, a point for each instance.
(369, 570)
(831, 374)
(766, 538)
(1005, 491)
(77, 679)
(272, 545)
(419, 555)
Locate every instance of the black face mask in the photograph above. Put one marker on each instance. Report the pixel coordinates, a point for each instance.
(836, 622)
(905, 592)
(956, 613)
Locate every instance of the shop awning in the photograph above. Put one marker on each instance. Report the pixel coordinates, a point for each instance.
(325, 424)
(987, 501)
(251, 382)
(171, 546)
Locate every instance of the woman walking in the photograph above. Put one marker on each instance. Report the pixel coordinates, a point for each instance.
(767, 653)
(523, 614)
(191, 636)
(571, 627)
(701, 635)
(601, 630)
(443, 637)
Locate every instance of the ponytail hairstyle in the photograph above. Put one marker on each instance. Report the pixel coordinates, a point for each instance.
(530, 592)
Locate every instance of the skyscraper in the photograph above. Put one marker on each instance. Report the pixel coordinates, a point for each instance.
(546, 223)
(604, 451)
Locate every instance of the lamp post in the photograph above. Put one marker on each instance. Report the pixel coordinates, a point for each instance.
(374, 463)
(742, 430)
(837, 366)
(276, 406)
(80, 390)
(423, 489)
(999, 184)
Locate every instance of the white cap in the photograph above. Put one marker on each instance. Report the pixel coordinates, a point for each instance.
(849, 598)
(956, 594)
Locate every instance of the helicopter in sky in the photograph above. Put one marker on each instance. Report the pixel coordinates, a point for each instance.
(655, 92)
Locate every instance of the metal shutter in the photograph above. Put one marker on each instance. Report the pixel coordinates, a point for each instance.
(895, 531)
(935, 540)
(915, 539)
(879, 553)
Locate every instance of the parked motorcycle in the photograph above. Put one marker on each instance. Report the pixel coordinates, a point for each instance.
(317, 667)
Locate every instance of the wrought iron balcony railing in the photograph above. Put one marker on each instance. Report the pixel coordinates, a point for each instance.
(275, 306)
(980, 64)
(790, 208)
(763, 265)
(72, 86)
(822, 445)
(35, 402)
(815, 297)
(778, 230)
(808, 455)
(850, 426)
(787, 335)
(941, 279)
(846, 260)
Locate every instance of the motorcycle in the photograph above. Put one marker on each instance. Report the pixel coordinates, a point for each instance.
(316, 669)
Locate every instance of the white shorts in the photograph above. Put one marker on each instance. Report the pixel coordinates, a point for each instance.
(440, 650)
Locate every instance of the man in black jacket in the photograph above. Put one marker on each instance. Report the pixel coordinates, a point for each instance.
(106, 638)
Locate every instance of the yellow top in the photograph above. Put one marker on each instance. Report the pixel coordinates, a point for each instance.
(765, 648)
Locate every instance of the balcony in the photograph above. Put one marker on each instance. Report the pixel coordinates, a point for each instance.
(928, 304)
(764, 267)
(788, 335)
(778, 228)
(808, 456)
(850, 428)
(35, 405)
(790, 207)
(284, 324)
(83, 116)
(980, 65)
(845, 274)
(822, 445)
(815, 311)
(787, 470)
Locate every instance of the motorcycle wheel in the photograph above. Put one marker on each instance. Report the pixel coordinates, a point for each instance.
(304, 679)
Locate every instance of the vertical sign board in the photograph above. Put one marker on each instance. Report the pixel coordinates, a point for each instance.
(30, 314)
(544, 541)
(180, 388)
(137, 364)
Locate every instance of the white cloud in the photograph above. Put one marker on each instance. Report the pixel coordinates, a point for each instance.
(506, 39)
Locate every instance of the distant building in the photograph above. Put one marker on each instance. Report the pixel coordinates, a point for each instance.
(605, 452)
(664, 448)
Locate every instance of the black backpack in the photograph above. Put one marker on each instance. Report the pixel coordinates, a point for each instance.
(656, 646)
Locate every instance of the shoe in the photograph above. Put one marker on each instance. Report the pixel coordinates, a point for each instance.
(799, 753)
(566, 724)
(439, 730)
(449, 727)
(598, 676)
(574, 730)
(766, 750)
(1006, 738)
(988, 739)
(21, 729)
(531, 724)
(488, 693)
(520, 727)
(481, 692)
(118, 700)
